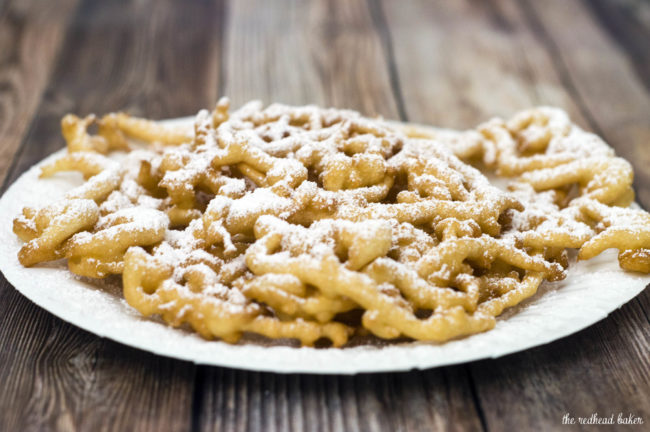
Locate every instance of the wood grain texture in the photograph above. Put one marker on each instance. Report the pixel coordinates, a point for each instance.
(461, 63)
(142, 57)
(57, 377)
(413, 401)
(31, 33)
(301, 52)
(447, 63)
(628, 23)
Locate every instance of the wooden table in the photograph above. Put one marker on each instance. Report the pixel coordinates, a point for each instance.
(451, 63)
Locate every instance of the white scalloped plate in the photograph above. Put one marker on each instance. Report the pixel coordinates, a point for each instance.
(592, 290)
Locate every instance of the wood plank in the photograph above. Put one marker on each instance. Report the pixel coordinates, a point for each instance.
(628, 23)
(328, 53)
(31, 33)
(146, 57)
(413, 401)
(460, 64)
(302, 52)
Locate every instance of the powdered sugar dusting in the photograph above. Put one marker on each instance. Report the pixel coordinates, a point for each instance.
(327, 183)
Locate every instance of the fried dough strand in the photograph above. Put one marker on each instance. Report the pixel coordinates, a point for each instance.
(544, 154)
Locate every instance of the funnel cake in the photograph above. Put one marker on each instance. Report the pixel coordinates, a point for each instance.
(318, 224)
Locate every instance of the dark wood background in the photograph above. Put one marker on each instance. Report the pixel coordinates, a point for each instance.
(448, 63)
